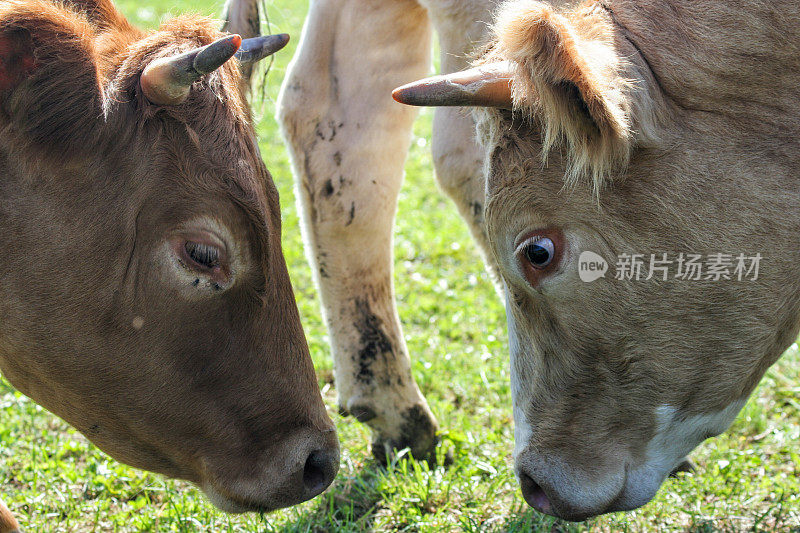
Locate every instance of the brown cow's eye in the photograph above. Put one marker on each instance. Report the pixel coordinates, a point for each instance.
(204, 255)
(539, 251)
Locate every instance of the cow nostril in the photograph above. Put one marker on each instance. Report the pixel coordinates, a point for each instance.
(534, 494)
(318, 471)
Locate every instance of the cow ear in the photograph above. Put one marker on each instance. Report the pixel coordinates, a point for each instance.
(50, 93)
(102, 13)
(243, 17)
(567, 70)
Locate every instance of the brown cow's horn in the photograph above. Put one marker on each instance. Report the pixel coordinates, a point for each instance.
(257, 48)
(487, 86)
(168, 80)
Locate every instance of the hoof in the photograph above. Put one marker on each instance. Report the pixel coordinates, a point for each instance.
(418, 434)
(360, 411)
(686, 466)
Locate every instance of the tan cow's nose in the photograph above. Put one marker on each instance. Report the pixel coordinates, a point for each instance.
(567, 491)
(534, 495)
(548, 498)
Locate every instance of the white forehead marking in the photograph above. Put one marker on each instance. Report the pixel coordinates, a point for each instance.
(522, 428)
(523, 432)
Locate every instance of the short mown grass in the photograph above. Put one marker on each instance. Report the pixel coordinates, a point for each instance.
(748, 479)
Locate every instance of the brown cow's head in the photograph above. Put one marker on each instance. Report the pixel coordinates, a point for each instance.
(145, 298)
(675, 124)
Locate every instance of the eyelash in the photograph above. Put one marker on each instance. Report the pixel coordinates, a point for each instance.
(204, 255)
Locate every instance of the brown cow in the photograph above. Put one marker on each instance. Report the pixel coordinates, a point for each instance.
(145, 297)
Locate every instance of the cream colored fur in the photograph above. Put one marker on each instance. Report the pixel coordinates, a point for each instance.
(712, 167)
(348, 140)
(592, 98)
(359, 168)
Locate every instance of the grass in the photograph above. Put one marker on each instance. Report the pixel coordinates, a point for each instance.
(747, 479)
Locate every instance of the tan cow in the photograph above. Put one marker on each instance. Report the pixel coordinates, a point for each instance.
(145, 297)
(659, 130)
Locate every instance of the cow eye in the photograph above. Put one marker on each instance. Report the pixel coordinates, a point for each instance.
(539, 251)
(204, 255)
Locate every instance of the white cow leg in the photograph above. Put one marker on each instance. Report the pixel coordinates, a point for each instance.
(348, 142)
(458, 159)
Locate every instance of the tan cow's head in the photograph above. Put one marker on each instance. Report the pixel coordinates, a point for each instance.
(655, 127)
(145, 298)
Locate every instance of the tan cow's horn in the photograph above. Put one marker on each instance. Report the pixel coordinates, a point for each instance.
(168, 80)
(257, 48)
(487, 86)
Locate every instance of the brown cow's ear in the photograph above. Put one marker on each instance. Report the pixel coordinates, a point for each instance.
(567, 70)
(102, 13)
(50, 93)
(243, 17)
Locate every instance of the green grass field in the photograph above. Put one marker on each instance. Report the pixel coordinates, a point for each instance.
(748, 479)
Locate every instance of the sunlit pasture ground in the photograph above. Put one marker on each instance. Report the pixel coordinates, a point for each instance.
(747, 479)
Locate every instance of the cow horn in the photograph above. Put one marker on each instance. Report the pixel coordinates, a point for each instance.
(487, 86)
(168, 80)
(257, 48)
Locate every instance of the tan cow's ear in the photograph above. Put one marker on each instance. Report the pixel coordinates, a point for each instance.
(49, 84)
(569, 61)
(567, 71)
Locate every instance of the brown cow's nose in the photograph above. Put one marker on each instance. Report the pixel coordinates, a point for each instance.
(309, 464)
(319, 471)
(299, 467)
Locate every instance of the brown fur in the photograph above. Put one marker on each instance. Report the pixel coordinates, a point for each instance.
(216, 387)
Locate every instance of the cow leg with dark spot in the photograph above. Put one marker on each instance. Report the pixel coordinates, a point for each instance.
(348, 141)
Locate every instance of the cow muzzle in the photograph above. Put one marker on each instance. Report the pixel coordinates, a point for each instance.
(303, 466)
(576, 493)
(553, 487)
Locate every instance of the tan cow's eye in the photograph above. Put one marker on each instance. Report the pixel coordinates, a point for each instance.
(539, 251)
(204, 255)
